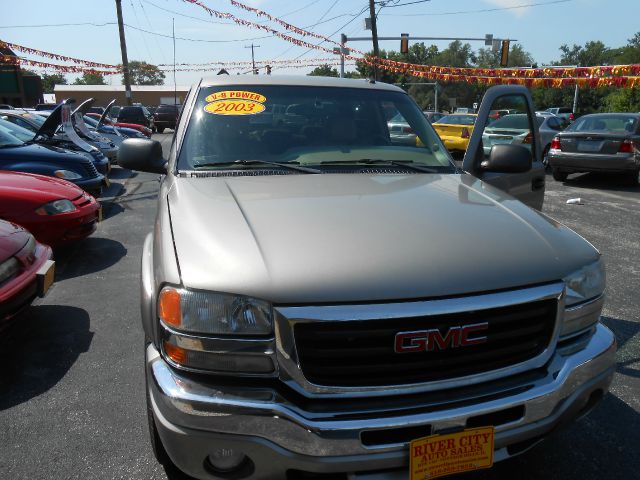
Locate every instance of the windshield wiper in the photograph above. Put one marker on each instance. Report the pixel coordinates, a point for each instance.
(291, 165)
(398, 163)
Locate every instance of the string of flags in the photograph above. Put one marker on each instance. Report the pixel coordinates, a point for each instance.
(620, 76)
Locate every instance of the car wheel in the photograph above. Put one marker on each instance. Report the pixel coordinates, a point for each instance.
(559, 176)
(633, 178)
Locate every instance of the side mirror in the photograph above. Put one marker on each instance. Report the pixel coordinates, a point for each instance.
(507, 158)
(143, 155)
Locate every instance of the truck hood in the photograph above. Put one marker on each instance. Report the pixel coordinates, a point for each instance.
(306, 239)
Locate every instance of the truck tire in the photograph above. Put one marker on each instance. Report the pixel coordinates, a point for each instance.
(559, 176)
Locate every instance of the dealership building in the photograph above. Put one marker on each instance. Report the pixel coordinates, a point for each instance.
(103, 94)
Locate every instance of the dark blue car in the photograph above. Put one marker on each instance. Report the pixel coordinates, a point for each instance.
(42, 130)
(49, 160)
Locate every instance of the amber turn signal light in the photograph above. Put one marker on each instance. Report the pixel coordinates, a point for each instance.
(177, 354)
(169, 307)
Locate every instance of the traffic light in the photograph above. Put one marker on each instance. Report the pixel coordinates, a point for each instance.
(404, 43)
(268, 68)
(504, 53)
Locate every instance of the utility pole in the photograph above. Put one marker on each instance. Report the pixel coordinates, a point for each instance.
(374, 35)
(123, 49)
(253, 58)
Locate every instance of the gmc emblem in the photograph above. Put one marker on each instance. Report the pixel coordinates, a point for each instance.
(429, 340)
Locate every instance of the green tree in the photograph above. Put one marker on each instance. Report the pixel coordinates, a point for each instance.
(90, 79)
(48, 81)
(143, 73)
(518, 57)
(457, 54)
(630, 53)
(324, 71)
(592, 54)
(622, 100)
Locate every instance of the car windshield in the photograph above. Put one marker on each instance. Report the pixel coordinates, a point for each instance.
(16, 131)
(7, 137)
(457, 120)
(606, 123)
(36, 120)
(519, 122)
(312, 126)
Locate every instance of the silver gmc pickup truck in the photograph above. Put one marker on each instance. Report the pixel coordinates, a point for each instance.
(319, 299)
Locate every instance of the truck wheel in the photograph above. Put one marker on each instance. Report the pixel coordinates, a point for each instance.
(559, 176)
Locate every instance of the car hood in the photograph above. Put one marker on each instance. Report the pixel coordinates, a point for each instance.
(304, 239)
(25, 191)
(39, 152)
(53, 120)
(12, 239)
(106, 112)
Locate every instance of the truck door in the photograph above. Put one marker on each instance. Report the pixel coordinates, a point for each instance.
(517, 127)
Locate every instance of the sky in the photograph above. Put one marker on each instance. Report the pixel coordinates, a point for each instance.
(53, 27)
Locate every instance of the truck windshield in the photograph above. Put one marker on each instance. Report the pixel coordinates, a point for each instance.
(309, 126)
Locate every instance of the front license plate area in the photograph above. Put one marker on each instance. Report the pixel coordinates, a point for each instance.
(45, 277)
(439, 455)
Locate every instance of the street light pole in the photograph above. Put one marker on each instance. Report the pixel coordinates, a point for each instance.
(123, 50)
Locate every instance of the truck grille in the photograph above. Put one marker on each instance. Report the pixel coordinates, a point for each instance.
(361, 353)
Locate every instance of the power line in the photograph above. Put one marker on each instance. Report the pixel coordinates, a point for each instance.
(155, 40)
(385, 3)
(300, 9)
(484, 10)
(144, 40)
(337, 31)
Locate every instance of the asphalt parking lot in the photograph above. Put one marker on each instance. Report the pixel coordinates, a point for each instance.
(72, 385)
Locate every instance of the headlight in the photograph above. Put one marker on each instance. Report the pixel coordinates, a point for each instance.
(214, 313)
(8, 269)
(67, 174)
(585, 284)
(215, 332)
(584, 299)
(55, 207)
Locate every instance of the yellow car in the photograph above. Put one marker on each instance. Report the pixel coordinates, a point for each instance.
(455, 130)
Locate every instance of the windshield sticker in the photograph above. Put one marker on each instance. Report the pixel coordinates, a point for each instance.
(236, 95)
(234, 107)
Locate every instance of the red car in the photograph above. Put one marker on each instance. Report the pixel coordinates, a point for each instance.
(26, 270)
(107, 121)
(54, 210)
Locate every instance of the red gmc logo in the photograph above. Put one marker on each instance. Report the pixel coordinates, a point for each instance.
(429, 340)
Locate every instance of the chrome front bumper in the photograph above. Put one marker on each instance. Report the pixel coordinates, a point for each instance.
(194, 417)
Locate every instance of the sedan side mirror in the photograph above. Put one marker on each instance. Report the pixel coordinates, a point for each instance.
(143, 155)
(507, 158)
